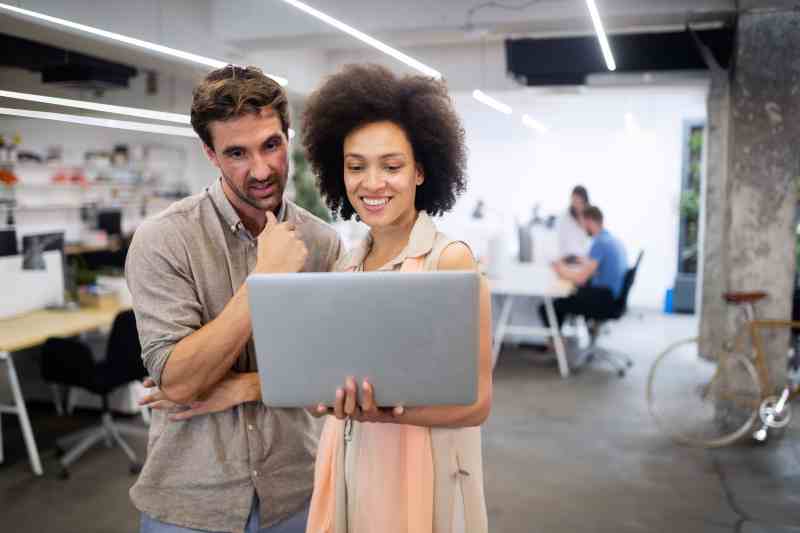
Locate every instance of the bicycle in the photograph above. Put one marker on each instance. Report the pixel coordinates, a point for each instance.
(715, 401)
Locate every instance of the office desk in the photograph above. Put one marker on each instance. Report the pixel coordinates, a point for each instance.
(32, 329)
(527, 279)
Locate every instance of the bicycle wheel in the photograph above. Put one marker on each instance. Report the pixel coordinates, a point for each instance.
(702, 401)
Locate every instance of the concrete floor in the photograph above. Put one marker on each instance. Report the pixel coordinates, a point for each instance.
(576, 455)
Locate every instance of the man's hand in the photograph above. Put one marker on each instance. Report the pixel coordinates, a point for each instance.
(234, 389)
(280, 250)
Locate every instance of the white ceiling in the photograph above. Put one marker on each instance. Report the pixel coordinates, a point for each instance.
(288, 42)
(274, 24)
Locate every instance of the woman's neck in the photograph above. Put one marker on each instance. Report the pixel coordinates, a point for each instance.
(389, 241)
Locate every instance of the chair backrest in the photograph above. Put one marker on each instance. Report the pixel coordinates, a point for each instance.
(627, 283)
(124, 353)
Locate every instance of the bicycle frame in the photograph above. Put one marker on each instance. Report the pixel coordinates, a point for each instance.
(753, 330)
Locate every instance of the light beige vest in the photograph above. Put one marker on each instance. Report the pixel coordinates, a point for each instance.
(457, 463)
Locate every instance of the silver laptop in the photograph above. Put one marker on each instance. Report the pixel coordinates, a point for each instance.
(414, 336)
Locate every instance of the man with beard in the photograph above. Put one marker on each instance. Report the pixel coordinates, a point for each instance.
(218, 459)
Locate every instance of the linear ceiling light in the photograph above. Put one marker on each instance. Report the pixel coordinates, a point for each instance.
(363, 37)
(491, 102)
(104, 108)
(601, 35)
(534, 124)
(139, 43)
(102, 122)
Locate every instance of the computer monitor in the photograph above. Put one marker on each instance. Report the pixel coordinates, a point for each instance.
(8, 242)
(110, 220)
(34, 245)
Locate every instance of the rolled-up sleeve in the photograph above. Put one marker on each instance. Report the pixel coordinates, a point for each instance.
(165, 299)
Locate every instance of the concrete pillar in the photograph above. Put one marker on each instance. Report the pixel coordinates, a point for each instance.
(713, 272)
(750, 203)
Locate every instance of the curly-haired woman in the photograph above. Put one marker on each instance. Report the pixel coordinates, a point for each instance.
(390, 150)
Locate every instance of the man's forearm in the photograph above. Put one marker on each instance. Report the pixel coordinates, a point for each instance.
(202, 359)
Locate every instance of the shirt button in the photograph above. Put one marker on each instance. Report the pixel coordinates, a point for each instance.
(255, 473)
(250, 427)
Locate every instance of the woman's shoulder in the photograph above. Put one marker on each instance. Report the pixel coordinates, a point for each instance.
(450, 254)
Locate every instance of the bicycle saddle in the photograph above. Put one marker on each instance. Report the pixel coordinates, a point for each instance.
(744, 297)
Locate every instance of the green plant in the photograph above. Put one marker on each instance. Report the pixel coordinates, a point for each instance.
(690, 205)
(306, 191)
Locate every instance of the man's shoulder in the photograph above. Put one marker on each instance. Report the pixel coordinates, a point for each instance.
(316, 227)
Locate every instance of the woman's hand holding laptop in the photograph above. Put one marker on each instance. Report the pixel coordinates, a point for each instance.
(346, 405)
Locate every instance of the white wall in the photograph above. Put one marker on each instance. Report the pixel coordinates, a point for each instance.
(633, 172)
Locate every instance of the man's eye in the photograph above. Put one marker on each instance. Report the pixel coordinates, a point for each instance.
(355, 169)
(236, 154)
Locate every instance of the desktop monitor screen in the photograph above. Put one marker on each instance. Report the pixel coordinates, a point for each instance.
(525, 244)
(8, 242)
(110, 221)
(34, 245)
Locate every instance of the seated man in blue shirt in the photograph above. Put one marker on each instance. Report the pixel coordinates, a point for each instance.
(598, 277)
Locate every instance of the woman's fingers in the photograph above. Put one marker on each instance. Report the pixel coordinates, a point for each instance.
(338, 405)
(350, 397)
(367, 398)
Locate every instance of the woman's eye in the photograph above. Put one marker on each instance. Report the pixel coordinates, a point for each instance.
(355, 169)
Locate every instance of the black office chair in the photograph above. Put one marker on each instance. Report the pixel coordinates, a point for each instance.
(596, 318)
(70, 362)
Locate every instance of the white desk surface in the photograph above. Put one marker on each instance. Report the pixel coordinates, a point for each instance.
(530, 279)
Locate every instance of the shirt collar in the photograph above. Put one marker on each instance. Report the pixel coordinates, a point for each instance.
(229, 215)
(420, 243)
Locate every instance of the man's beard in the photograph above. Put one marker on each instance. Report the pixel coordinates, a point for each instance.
(243, 196)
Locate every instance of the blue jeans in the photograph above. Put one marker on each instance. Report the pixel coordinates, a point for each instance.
(293, 524)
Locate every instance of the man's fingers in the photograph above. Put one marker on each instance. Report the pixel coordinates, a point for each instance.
(194, 409)
(151, 398)
(163, 405)
(398, 410)
(183, 415)
(148, 383)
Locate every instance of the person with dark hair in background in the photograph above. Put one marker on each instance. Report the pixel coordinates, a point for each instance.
(218, 459)
(391, 151)
(572, 239)
(598, 277)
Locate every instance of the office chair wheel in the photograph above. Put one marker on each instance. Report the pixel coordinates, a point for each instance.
(621, 373)
(630, 364)
(60, 451)
(135, 468)
(63, 474)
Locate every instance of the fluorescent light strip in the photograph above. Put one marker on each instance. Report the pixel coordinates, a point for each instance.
(101, 122)
(363, 37)
(491, 102)
(104, 108)
(139, 43)
(601, 35)
(534, 124)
